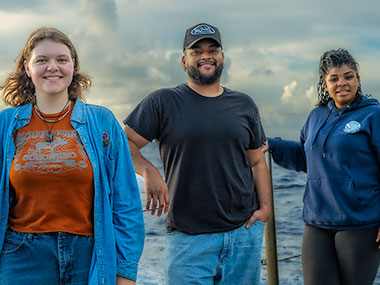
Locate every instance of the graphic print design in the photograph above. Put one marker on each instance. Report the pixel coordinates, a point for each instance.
(352, 127)
(64, 154)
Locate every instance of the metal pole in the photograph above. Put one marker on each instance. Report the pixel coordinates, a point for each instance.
(270, 238)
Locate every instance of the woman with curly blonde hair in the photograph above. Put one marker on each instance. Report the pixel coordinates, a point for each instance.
(69, 201)
(18, 88)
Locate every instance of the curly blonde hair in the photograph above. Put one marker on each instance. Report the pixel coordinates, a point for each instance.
(18, 88)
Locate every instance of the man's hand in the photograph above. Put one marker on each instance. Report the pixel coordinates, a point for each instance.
(156, 192)
(265, 147)
(261, 215)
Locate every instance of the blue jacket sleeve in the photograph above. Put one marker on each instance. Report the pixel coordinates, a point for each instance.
(127, 213)
(288, 154)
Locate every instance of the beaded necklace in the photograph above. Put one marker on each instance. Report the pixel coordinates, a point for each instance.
(49, 134)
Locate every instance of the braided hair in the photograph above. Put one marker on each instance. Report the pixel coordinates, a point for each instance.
(331, 59)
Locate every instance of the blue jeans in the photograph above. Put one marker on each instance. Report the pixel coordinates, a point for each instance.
(49, 258)
(220, 258)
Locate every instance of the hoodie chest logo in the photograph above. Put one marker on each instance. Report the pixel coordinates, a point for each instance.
(352, 127)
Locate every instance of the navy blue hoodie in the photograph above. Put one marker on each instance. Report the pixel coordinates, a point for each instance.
(340, 151)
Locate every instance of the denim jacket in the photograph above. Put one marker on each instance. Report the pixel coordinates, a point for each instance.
(118, 220)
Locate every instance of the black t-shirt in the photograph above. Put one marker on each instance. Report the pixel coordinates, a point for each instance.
(203, 142)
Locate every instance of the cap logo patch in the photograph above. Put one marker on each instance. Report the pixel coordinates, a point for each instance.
(203, 30)
(352, 127)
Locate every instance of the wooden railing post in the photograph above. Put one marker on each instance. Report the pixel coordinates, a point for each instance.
(270, 238)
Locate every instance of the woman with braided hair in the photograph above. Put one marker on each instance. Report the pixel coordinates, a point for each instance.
(340, 152)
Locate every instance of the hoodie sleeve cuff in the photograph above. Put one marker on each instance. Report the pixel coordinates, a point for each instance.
(272, 143)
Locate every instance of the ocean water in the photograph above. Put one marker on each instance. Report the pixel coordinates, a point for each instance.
(289, 229)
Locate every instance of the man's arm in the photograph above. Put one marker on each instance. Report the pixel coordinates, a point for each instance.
(262, 185)
(155, 187)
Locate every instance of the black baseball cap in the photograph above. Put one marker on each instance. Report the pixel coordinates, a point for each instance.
(200, 32)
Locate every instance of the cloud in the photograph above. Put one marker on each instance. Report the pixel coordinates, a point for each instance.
(101, 17)
(36, 6)
(131, 48)
(297, 98)
(286, 98)
(286, 119)
(21, 5)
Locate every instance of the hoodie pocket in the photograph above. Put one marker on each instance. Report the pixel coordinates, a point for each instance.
(331, 202)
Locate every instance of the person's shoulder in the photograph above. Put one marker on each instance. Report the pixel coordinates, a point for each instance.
(319, 110)
(242, 97)
(8, 113)
(235, 92)
(238, 94)
(165, 95)
(164, 92)
(373, 109)
(370, 103)
(317, 114)
(99, 113)
(316, 109)
(98, 109)
(103, 119)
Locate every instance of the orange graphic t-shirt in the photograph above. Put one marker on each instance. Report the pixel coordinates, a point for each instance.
(52, 181)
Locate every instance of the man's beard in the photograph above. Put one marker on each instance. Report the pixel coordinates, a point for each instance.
(202, 79)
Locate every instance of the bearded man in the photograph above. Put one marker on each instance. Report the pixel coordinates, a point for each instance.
(216, 191)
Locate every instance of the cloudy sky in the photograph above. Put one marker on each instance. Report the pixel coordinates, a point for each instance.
(272, 48)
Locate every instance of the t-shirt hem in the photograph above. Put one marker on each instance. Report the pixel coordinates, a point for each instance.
(211, 231)
(49, 231)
